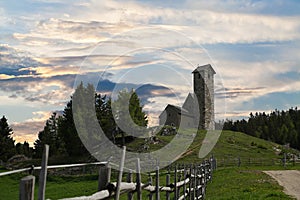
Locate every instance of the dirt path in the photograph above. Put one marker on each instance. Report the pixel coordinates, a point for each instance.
(289, 179)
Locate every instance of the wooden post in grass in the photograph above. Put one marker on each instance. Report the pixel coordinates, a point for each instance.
(195, 181)
(190, 183)
(184, 178)
(118, 189)
(27, 188)
(43, 173)
(104, 176)
(129, 180)
(294, 160)
(150, 182)
(168, 183)
(157, 196)
(138, 180)
(175, 183)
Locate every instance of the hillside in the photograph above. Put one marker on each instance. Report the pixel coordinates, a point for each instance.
(235, 182)
(230, 146)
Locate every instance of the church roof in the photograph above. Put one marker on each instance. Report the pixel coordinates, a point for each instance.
(206, 67)
(179, 110)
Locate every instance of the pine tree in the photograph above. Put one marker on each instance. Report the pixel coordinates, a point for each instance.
(67, 129)
(105, 116)
(7, 144)
(129, 115)
(137, 114)
(49, 135)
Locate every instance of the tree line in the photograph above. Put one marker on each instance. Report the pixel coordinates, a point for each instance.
(282, 127)
(60, 131)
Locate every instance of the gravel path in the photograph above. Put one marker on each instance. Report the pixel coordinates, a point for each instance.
(289, 179)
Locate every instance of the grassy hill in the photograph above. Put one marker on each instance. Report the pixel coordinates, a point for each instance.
(245, 182)
(230, 146)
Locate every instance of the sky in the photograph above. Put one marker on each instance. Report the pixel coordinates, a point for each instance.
(47, 46)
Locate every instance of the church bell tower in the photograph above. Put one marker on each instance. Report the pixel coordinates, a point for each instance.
(204, 91)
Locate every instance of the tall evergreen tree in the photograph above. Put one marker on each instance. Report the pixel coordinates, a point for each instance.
(49, 135)
(67, 129)
(129, 115)
(105, 116)
(7, 144)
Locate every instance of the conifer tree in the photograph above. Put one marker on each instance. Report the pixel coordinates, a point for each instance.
(7, 144)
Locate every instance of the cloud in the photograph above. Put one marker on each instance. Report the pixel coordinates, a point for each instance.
(236, 92)
(28, 130)
(205, 26)
(247, 83)
(84, 39)
(5, 76)
(55, 83)
(21, 77)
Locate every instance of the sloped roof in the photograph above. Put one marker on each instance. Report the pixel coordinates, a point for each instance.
(206, 67)
(179, 110)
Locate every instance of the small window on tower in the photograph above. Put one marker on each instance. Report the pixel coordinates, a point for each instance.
(199, 75)
(208, 75)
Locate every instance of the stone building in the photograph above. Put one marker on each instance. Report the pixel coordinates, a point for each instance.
(198, 109)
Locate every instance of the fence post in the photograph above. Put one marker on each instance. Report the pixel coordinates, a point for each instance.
(150, 182)
(157, 183)
(43, 173)
(184, 178)
(168, 183)
(27, 188)
(195, 181)
(118, 189)
(294, 160)
(211, 168)
(215, 163)
(31, 171)
(175, 183)
(190, 183)
(198, 170)
(138, 180)
(83, 169)
(104, 176)
(129, 180)
(284, 160)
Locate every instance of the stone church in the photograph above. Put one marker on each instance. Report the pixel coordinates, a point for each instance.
(198, 109)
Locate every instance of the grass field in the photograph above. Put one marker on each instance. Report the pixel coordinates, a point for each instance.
(228, 183)
(231, 145)
(243, 183)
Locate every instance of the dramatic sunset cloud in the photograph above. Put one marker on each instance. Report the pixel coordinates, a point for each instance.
(151, 46)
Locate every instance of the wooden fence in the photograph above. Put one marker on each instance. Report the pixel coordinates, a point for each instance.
(248, 161)
(181, 181)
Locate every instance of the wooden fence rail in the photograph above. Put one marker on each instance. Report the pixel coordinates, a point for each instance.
(189, 181)
(248, 161)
